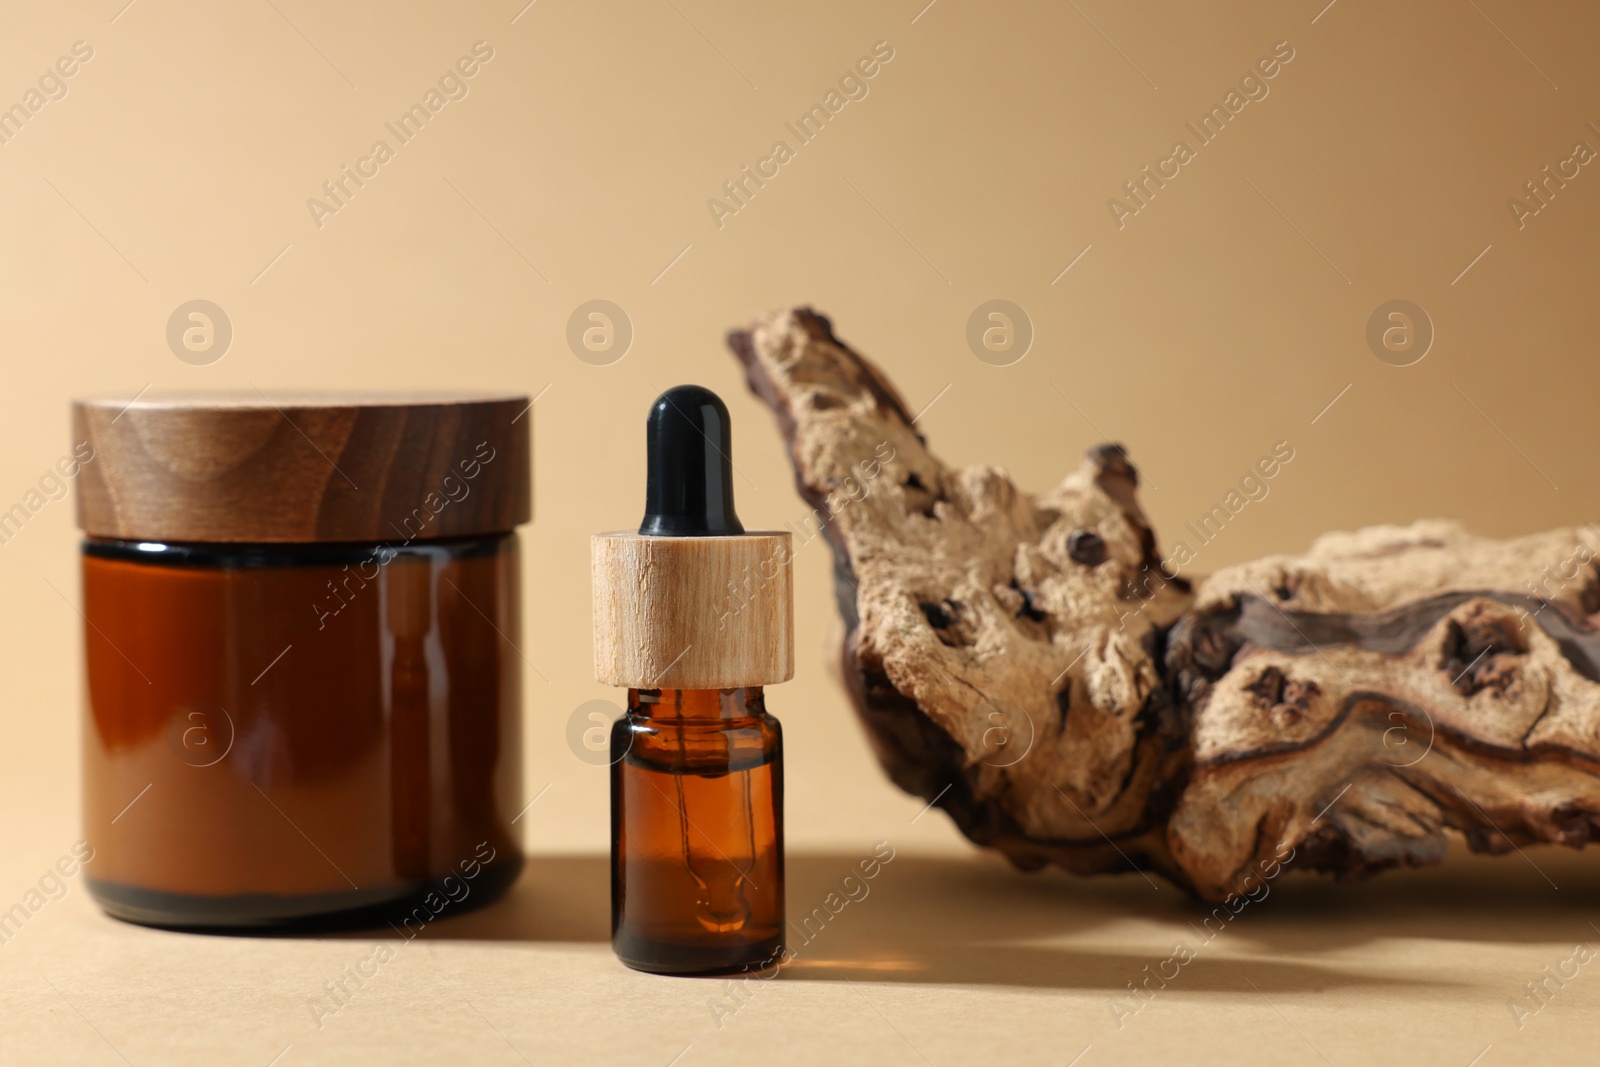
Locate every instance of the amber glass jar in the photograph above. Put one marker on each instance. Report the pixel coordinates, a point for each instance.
(303, 675)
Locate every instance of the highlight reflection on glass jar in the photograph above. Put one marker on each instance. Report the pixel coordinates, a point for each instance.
(288, 731)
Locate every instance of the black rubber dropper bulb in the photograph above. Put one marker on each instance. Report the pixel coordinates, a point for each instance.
(689, 477)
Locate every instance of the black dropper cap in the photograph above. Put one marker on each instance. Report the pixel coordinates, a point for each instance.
(689, 480)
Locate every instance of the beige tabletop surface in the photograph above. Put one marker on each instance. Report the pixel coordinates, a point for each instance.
(201, 151)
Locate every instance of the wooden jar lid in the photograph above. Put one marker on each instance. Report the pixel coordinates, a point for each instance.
(304, 468)
(692, 612)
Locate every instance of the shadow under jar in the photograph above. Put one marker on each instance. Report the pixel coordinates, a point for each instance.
(303, 699)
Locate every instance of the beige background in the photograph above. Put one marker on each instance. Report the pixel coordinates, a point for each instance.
(1224, 317)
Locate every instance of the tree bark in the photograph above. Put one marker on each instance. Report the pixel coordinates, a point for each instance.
(1025, 662)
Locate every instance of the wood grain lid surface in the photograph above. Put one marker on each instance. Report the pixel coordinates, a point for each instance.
(693, 612)
(303, 468)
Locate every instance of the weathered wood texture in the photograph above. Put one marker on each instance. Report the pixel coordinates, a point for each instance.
(1024, 662)
(692, 612)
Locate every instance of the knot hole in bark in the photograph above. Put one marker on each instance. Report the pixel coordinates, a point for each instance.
(1482, 649)
(1285, 699)
(920, 499)
(949, 619)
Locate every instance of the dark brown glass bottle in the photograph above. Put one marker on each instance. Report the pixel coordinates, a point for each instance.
(697, 832)
(693, 615)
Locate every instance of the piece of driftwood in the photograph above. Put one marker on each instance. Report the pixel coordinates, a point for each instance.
(1026, 663)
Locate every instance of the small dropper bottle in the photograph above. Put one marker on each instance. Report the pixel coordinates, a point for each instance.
(693, 616)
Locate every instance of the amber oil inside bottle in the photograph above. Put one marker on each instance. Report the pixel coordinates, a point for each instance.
(697, 832)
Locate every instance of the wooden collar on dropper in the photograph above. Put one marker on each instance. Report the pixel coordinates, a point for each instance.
(295, 469)
(691, 601)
